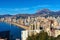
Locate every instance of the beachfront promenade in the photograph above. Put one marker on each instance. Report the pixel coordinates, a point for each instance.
(14, 23)
(19, 25)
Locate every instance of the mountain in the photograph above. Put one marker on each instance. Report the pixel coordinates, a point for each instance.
(6, 15)
(43, 12)
(47, 12)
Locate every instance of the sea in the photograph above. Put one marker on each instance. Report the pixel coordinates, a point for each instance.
(15, 31)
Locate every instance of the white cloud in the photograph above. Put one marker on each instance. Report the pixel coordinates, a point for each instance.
(40, 6)
(22, 10)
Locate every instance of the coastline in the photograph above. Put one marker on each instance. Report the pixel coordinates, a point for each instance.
(21, 26)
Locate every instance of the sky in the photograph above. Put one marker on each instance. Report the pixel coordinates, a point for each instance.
(27, 6)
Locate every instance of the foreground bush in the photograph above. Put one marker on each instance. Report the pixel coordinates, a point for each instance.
(42, 36)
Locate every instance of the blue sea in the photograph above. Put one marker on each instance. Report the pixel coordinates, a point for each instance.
(15, 31)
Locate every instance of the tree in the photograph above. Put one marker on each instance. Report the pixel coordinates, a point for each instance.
(42, 36)
(58, 38)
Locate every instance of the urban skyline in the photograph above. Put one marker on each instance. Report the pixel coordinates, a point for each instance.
(29, 19)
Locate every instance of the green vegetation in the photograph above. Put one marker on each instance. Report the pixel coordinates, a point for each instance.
(42, 36)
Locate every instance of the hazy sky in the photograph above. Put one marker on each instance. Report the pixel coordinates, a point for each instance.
(27, 6)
